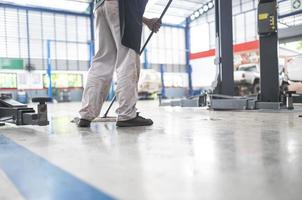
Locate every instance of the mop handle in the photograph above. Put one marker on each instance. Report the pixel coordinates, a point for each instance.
(160, 18)
(112, 101)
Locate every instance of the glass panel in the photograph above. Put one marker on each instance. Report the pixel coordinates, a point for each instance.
(82, 30)
(240, 28)
(200, 39)
(11, 23)
(13, 48)
(250, 24)
(60, 27)
(2, 22)
(35, 25)
(3, 47)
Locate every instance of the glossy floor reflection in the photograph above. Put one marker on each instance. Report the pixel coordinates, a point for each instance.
(187, 154)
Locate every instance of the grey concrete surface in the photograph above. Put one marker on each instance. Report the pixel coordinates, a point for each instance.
(186, 154)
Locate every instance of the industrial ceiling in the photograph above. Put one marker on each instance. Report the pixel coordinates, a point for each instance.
(179, 10)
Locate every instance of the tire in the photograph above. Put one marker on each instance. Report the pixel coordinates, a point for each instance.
(284, 87)
(237, 90)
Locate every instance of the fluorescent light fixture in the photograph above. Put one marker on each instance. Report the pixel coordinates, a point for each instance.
(205, 8)
(53, 4)
(210, 4)
(201, 11)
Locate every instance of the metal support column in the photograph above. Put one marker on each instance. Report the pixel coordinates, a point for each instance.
(146, 62)
(28, 39)
(188, 51)
(49, 68)
(224, 49)
(162, 72)
(91, 6)
(91, 52)
(269, 62)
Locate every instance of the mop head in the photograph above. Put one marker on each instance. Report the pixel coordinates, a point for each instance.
(105, 119)
(98, 119)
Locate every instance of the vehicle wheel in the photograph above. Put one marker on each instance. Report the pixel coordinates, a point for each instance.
(237, 90)
(256, 88)
(284, 87)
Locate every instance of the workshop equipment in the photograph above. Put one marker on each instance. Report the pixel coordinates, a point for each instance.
(269, 97)
(20, 114)
(289, 100)
(224, 57)
(269, 44)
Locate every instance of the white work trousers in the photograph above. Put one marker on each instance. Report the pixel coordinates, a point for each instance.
(111, 55)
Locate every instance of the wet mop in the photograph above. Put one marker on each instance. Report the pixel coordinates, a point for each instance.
(107, 118)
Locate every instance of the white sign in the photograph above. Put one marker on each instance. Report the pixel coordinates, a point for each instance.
(27, 80)
(296, 5)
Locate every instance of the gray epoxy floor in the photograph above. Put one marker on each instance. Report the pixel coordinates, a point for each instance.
(187, 154)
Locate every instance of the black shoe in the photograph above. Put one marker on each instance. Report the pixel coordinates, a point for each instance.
(137, 121)
(83, 123)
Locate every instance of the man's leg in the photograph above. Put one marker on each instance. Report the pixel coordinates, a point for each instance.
(127, 68)
(101, 71)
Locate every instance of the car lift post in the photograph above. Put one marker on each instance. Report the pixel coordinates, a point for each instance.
(269, 61)
(269, 97)
(224, 50)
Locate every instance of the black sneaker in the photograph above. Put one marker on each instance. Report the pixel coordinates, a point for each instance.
(137, 121)
(83, 123)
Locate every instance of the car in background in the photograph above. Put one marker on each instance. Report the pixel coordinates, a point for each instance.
(294, 73)
(294, 69)
(248, 76)
(149, 84)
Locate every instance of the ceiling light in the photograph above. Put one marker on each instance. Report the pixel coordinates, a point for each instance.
(205, 8)
(210, 4)
(201, 11)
